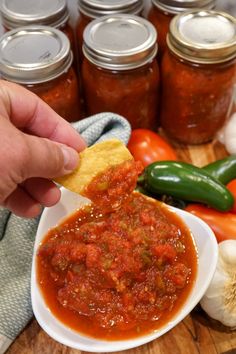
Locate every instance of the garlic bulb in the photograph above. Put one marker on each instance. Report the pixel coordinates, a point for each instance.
(227, 135)
(219, 301)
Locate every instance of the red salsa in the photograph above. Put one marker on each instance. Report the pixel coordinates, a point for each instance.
(195, 98)
(61, 94)
(134, 94)
(117, 275)
(109, 189)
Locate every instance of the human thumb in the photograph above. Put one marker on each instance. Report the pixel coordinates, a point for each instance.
(48, 159)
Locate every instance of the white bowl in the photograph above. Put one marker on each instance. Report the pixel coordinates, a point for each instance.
(207, 258)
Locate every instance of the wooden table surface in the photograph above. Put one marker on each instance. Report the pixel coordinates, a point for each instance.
(197, 333)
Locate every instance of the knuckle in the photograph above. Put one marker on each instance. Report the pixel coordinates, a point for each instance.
(53, 158)
(22, 159)
(15, 161)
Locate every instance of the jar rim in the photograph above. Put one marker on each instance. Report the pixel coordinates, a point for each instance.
(175, 6)
(56, 15)
(188, 41)
(135, 42)
(94, 8)
(34, 54)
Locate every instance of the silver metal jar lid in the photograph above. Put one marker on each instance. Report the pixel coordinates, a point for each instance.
(177, 6)
(18, 13)
(204, 37)
(98, 8)
(34, 54)
(120, 42)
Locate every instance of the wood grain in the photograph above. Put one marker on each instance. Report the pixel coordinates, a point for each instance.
(197, 333)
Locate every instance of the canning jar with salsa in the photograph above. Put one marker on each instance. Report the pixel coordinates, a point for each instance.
(120, 274)
(39, 58)
(198, 75)
(161, 13)
(91, 9)
(120, 73)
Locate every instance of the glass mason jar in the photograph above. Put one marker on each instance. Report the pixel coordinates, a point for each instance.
(120, 73)
(198, 75)
(39, 58)
(91, 9)
(162, 11)
(54, 13)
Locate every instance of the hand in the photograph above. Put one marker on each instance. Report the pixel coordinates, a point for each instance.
(36, 145)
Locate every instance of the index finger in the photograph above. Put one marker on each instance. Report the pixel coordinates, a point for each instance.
(29, 113)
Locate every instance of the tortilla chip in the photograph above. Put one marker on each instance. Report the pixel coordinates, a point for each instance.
(93, 161)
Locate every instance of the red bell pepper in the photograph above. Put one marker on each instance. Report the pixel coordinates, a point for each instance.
(222, 224)
(232, 188)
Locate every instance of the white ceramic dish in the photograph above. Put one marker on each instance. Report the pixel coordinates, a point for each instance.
(207, 258)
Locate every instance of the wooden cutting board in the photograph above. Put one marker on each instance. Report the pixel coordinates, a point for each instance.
(197, 333)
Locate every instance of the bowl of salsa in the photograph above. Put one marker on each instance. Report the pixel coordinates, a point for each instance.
(114, 281)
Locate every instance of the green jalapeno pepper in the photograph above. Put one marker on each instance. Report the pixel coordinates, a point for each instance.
(185, 181)
(223, 170)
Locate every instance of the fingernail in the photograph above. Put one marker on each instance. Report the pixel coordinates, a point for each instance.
(71, 158)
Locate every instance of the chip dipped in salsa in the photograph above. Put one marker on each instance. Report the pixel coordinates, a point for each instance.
(109, 189)
(106, 174)
(119, 274)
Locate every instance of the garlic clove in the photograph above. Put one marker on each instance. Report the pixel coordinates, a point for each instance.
(230, 145)
(221, 136)
(219, 301)
(227, 251)
(229, 135)
(217, 284)
(228, 319)
(213, 308)
(216, 309)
